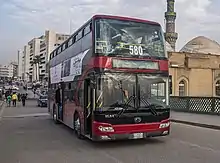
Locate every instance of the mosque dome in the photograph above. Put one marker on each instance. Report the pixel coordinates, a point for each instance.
(203, 45)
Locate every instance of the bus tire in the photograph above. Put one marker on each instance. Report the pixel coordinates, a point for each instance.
(77, 126)
(55, 116)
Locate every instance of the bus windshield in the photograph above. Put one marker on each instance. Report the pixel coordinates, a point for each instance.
(153, 89)
(127, 38)
(118, 88)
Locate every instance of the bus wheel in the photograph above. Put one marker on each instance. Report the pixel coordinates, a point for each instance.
(77, 126)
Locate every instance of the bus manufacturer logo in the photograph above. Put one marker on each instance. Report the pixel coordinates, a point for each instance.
(137, 119)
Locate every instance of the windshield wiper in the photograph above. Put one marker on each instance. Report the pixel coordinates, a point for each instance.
(127, 104)
(152, 107)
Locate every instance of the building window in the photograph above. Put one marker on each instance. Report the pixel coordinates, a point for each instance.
(217, 88)
(182, 88)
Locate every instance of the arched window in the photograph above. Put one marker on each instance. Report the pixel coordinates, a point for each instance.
(217, 88)
(182, 88)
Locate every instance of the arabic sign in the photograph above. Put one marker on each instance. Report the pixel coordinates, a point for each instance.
(76, 63)
(55, 74)
(67, 70)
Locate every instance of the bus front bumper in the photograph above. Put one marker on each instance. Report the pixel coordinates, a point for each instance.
(105, 132)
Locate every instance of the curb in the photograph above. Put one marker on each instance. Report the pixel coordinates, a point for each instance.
(215, 127)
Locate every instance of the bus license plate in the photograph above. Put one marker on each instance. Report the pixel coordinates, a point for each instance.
(138, 135)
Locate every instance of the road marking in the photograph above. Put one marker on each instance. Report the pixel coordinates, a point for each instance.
(2, 111)
(198, 146)
(193, 126)
(116, 160)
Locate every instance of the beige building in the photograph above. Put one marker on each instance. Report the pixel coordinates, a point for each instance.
(195, 70)
(41, 46)
(9, 71)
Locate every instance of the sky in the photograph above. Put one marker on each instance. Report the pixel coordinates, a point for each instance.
(22, 20)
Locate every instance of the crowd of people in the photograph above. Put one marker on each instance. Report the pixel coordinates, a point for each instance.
(13, 97)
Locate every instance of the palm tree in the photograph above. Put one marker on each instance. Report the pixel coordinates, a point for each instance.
(36, 61)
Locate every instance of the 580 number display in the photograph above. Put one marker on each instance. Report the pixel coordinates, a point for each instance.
(135, 50)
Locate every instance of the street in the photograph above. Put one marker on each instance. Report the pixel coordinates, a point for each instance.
(29, 135)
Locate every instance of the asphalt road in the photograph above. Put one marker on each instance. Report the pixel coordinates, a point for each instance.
(29, 135)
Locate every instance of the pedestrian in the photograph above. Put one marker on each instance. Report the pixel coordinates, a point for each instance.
(14, 99)
(6, 94)
(9, 100)
(23, 98)
(58, 100)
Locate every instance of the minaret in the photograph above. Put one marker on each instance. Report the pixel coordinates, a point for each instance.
(170, 16)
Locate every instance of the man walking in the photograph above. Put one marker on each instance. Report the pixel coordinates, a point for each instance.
(14, 99)
(23, 98)
(58, 100)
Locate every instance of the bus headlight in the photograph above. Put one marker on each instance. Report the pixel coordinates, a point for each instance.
(164, 125)
(106, 129)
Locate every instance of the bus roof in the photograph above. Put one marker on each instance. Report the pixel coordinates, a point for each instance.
(124, 18)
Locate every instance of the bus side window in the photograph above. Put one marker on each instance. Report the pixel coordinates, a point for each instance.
(87, 29)
(80, 94)
(68, 89)
(79, 36)
(66, 92)
(73, 91)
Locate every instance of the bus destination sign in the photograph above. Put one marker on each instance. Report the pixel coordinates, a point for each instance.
(135, 64)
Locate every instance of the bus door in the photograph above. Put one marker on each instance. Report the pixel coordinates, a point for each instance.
(62, 101)
(88, 105)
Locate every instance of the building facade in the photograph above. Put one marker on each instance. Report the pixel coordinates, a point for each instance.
(42, 47)
(9, 71)
(20, 63)
(4, 72)
(195, 70)
(13, 70)
(194, 74)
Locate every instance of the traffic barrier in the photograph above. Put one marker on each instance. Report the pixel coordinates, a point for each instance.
(203, 105)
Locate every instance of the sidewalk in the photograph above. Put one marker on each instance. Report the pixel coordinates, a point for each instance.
(30, 109)
(1, 104)
(201, 120)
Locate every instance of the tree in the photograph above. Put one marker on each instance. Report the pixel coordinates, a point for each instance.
(36, 61)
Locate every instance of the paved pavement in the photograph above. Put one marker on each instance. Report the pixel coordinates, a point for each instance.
(29, 135)
(202, 120)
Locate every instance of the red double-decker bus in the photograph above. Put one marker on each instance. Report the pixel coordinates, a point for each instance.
(110, 80)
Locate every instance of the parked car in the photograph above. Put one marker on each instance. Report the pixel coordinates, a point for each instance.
(42, 101)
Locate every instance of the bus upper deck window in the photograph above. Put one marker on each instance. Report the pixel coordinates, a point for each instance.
(90, 26)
